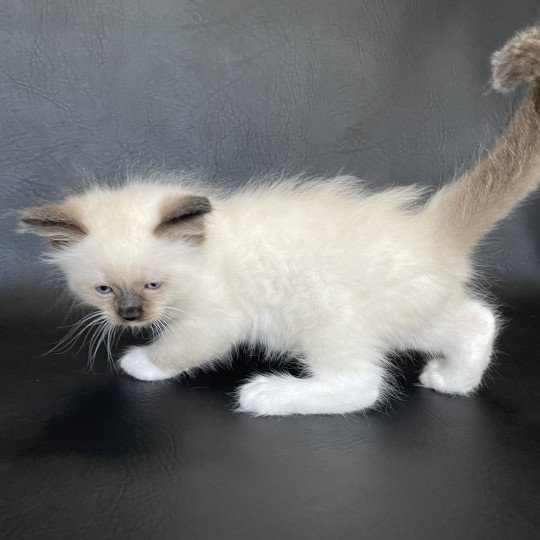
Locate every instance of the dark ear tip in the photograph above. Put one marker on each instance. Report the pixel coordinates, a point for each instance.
(206, 206)
(199, 205)
(31, 214)
(51, 220)
(23, 213)
(26, 218)
(183, 217)
(32, 221)
(191, 206)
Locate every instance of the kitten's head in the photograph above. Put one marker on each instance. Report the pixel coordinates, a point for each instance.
(132, 252)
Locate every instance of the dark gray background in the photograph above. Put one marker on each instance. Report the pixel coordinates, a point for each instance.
(393, 92)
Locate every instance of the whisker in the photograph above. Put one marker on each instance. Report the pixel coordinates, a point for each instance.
(77, 330)
(109, 343)
(186, 314)
(170, 322)
(96, 341)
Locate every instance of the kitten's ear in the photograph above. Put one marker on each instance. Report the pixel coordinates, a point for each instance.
(57, 222)
(182, 218)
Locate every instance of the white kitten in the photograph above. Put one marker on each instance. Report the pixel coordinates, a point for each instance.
(320, 268)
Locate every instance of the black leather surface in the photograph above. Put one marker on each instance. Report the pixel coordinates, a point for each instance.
(390, 91)
(97, 455)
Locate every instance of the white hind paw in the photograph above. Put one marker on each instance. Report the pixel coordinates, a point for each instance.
(281, 395)
(267, 395)
(440, 376)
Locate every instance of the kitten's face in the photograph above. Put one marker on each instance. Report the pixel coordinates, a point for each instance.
(134, 282)
(129, 286)
(131, 253)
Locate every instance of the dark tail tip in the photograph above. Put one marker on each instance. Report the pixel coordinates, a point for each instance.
(518, 61)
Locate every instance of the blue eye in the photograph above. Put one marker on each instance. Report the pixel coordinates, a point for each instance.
(103, 289)
(153, 285)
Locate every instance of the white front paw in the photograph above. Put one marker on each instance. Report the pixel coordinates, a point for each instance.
(447, 379)
(137, 364)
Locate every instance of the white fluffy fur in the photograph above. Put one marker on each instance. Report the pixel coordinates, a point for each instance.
(322, 269)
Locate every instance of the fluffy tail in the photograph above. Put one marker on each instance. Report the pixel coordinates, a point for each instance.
(469, 207)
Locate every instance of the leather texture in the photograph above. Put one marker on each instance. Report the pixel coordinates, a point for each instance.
(393, 92)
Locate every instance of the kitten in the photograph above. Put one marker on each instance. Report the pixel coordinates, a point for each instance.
(320, 268)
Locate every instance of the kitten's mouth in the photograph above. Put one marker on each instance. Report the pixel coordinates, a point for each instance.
(135, 323)
(141, 323)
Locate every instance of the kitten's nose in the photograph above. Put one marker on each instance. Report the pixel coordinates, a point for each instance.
(130, 313)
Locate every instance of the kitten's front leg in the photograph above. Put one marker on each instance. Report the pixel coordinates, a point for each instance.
(177, 351)
(140, 363)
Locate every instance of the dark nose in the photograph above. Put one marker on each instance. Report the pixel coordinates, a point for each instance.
(130, 313)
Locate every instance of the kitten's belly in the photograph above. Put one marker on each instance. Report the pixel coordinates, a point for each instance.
(392, 301)
(281, 320)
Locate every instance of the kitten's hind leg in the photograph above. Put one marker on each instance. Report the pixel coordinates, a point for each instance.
(344, 378)
(463, 338)
(281, 395)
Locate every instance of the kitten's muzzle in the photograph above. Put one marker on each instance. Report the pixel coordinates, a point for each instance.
(129, 305)
(130, 313)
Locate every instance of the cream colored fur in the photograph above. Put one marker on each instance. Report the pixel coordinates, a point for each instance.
(318, 268)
